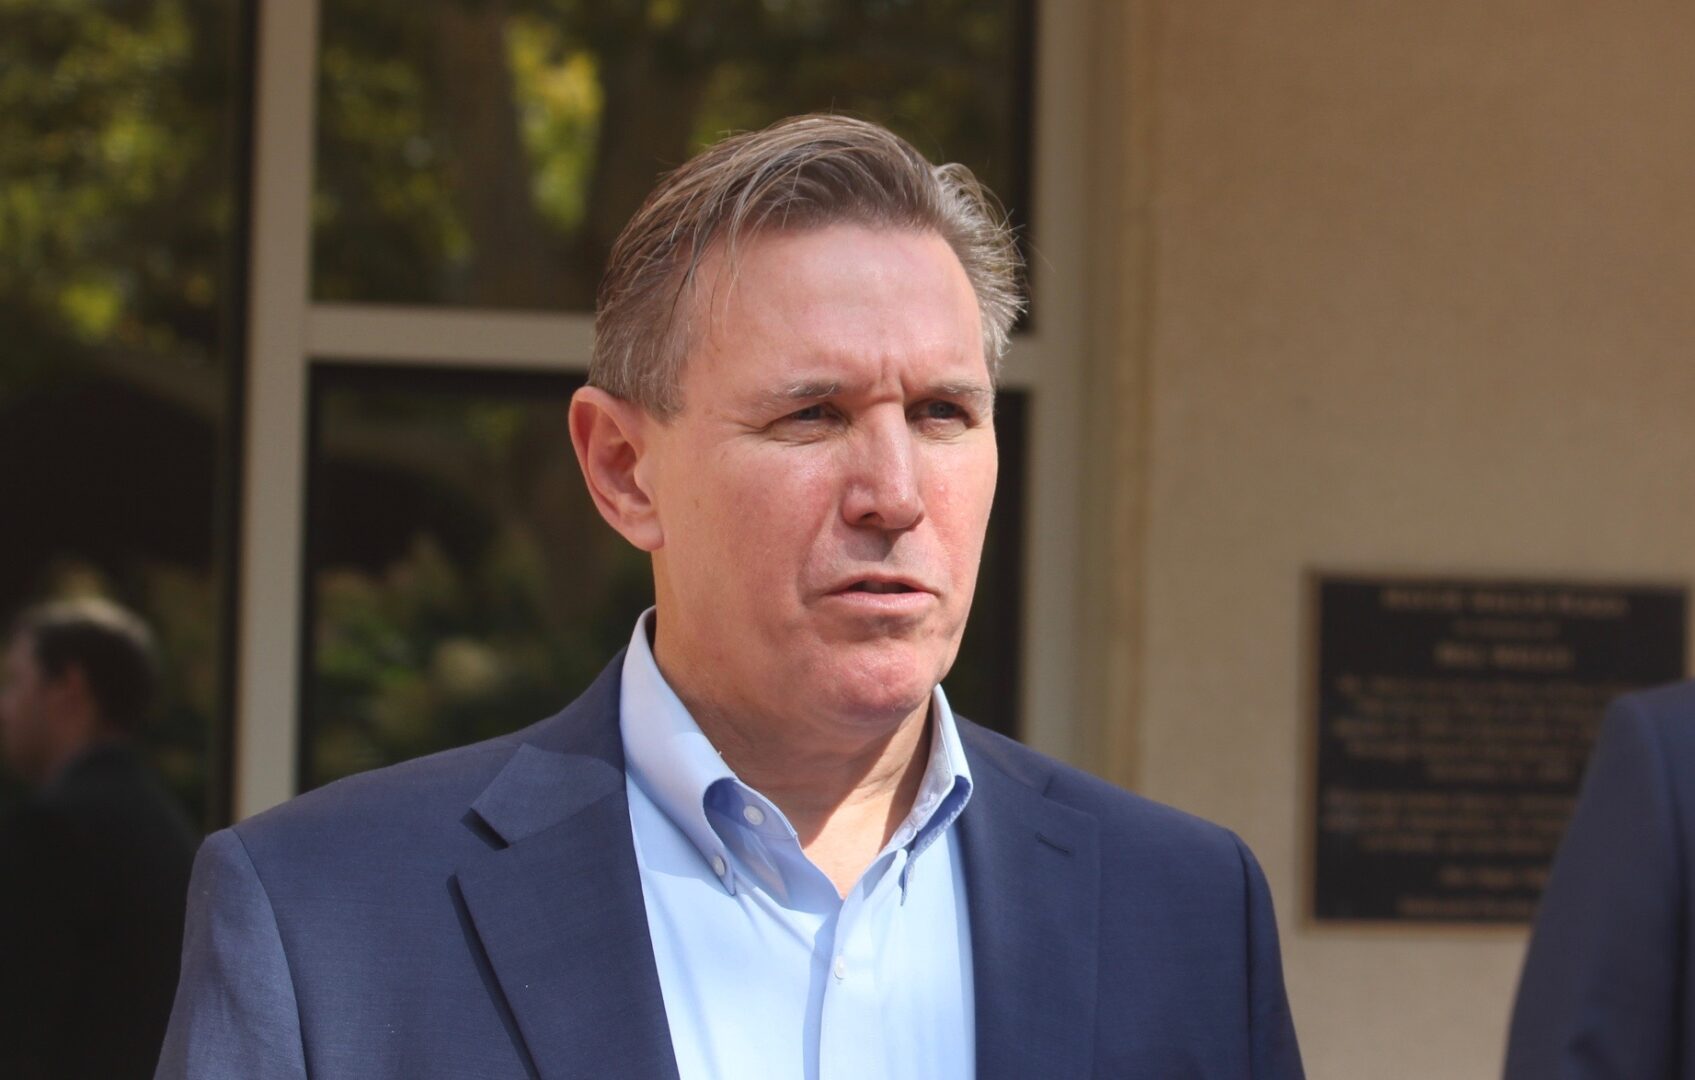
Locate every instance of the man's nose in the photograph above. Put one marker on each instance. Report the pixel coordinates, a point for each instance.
(882, 483)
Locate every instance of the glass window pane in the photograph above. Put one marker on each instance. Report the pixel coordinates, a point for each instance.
(487, 153)
(463, 585)
(121, 134)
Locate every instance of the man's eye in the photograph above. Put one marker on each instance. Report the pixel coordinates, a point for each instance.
(811, 412)
(941, 411)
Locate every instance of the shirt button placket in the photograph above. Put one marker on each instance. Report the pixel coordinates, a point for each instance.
(850, 1044)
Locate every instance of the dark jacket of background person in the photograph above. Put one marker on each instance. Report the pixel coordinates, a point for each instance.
(93, 879)
(94, 864)
(1606, 986)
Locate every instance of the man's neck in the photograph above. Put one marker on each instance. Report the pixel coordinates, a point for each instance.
(67, 752)
(844, 795)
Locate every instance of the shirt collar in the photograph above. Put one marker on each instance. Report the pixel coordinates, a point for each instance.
(664, 749)
(678, 767)
(946, 785)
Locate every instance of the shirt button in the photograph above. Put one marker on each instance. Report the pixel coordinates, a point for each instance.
(753, 815)
(840, 967)
(718, 865)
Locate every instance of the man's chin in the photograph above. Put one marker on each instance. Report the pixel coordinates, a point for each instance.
(881, 689)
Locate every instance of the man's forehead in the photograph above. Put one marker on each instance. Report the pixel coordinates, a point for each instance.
(793, 314)
(835, 270)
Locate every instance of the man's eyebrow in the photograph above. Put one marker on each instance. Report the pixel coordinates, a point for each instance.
(805, 390)
(979, 394)
(812, 389)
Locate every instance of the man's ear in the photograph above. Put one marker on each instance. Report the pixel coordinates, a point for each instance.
(610, 437)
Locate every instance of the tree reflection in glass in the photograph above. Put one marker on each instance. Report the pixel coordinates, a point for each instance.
(120, 286)
(486, 152)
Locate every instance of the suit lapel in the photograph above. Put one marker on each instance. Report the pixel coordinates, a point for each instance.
(559, 909)
(560, 914)
(1032, 872)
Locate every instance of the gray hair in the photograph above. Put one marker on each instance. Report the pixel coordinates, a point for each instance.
(801, 173)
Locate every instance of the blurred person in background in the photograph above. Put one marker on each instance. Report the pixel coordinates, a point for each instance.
(94, 863)
(1605, 992)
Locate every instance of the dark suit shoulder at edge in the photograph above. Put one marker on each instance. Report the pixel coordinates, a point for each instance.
(1665, 707)
(1112, 805)
(453, 778)
(1660, 722)
(448, 781)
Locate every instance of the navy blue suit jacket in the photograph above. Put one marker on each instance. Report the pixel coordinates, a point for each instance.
(1606, 986)
(479, 913)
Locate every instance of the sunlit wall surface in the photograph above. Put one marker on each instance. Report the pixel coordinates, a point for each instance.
(487, 153)
(462, 584)
(121, 130)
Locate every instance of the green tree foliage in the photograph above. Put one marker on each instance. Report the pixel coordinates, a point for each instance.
(118, 141)
(115, 185)
(476, 595)
(488, 151)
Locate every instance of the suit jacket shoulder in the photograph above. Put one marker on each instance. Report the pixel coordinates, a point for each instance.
(1667, 713)
(1604, 991)
(1136, 826)
(477, 912)
(1112, 935)
(439, 809)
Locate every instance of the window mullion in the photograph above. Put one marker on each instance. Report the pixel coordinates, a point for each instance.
(266, 717)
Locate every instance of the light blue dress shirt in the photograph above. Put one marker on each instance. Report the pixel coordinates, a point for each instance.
(766, 972)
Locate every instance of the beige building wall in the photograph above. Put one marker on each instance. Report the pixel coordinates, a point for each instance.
(1400, 287)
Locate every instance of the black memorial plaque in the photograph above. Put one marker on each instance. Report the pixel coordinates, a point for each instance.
(1454, 721)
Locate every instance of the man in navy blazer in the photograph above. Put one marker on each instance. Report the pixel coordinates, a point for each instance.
(1605, 991)
(760, 844)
